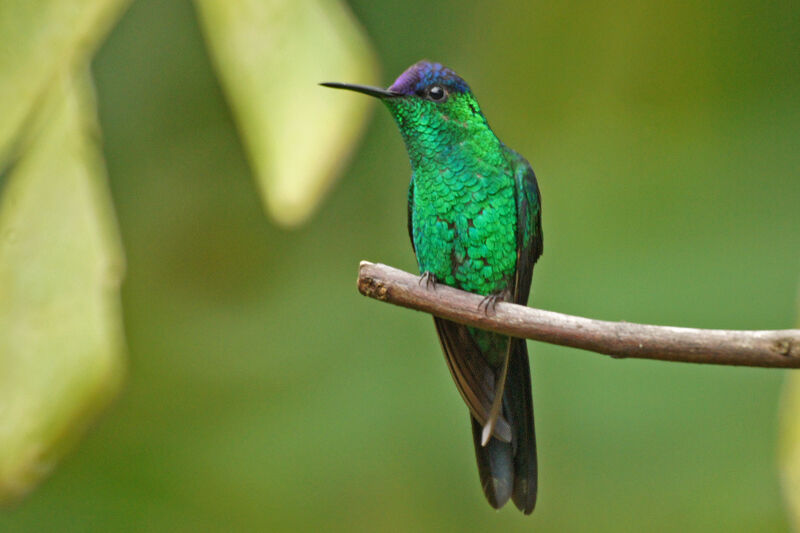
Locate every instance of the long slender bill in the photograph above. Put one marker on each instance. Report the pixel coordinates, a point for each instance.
(365, 89)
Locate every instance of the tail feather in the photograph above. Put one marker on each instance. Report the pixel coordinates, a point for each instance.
(520, 407)
(495, 467)
(509, 470)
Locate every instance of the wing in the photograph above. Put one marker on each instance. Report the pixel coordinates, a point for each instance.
(529, 224)
(518, 388)
(529, 248)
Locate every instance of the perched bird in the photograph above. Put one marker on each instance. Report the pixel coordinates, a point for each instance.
(474, 218)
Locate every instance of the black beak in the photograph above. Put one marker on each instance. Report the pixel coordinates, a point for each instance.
(365, 89)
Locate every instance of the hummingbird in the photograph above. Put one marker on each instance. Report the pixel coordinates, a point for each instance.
(474, 219)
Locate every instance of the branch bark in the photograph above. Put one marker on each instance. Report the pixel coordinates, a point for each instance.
(772, 348)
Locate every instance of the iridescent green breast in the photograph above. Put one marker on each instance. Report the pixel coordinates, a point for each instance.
(464, 222)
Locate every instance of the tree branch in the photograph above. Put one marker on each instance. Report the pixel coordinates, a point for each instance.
(776, 348)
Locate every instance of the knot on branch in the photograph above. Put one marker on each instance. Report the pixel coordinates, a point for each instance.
(371, 287)
(788, 347)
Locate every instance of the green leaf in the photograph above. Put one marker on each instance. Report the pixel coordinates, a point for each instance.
(270, 55)
(789, 443)
(61, 339)
(40, 37)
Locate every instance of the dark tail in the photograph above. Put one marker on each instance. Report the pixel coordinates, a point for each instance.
(508, 470)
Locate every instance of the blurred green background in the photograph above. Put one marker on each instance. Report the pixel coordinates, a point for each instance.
(266, 394)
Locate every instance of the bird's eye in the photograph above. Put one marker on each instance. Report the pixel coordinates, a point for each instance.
(437, 93)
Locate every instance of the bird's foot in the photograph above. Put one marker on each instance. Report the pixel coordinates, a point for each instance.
(490, 301)
(429, 279)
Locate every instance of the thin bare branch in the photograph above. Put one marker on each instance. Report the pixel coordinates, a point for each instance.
(775, 348)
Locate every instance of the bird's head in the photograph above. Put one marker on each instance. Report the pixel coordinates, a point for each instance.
(427, 99)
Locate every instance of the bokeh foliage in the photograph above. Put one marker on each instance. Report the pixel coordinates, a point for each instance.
(269, 55)
(60, 270)
(266, 394)
(61, 262)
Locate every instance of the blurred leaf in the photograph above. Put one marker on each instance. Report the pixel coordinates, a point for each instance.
(38, 38)
(270, 55)
(61, 341)
(789, 443)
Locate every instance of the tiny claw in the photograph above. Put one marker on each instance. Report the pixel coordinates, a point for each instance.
(490, 301)
(429, 279)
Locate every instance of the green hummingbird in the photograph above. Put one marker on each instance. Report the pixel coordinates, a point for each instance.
(474, 218)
